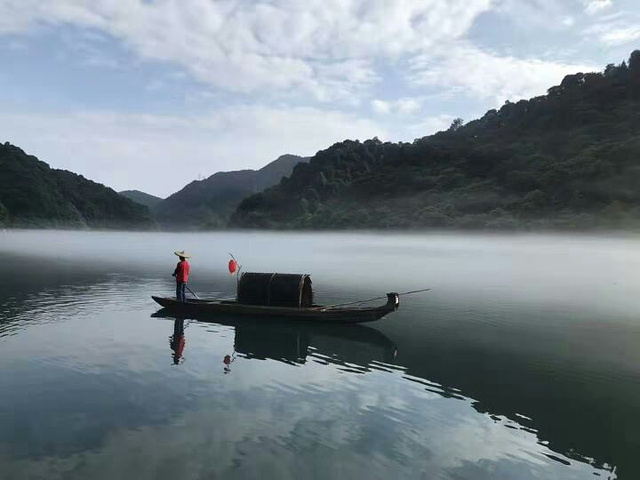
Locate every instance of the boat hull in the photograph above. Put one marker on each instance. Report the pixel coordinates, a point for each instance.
(193, 307)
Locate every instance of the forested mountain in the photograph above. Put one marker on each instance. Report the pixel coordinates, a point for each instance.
(208, 203)
(568, 159)
(149, 201)
(34, 195)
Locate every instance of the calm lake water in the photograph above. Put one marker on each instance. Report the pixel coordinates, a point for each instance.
(523, 362)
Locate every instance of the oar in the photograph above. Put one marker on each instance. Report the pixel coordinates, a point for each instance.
(377, 298)
(187, 287)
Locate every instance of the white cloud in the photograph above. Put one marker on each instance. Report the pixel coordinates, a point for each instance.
(380, 106)
(324, 47)
(615, 29)
(536, 14)
(618, 35)
(468, 71)
(403, 106)
(160, 154)
(592, 7)
(408, 105)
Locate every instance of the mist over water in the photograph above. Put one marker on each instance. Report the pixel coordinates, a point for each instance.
(522, 362)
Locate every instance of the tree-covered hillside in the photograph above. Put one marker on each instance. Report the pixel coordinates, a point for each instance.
(209, 203)
(568, 159)
(149, 201)
(34, 195)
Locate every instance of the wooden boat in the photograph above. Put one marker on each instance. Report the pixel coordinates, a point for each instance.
(319, 313)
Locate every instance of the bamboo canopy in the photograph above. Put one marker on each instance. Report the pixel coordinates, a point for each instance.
(275, 289)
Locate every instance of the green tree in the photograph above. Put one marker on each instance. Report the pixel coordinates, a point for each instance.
(304, 206)
(456, 124)
(4, 215)
(610, 70)
(634, 61)
(37, 195)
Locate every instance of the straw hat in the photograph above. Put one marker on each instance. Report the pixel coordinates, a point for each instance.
(182, 253)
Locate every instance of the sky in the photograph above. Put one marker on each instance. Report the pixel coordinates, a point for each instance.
(152, 94)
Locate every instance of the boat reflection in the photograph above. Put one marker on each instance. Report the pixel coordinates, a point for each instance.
(296, 343)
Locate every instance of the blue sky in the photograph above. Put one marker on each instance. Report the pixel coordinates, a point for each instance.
(149, 95)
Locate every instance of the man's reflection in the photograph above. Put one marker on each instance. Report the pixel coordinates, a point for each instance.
(176, 341)
(228, 360)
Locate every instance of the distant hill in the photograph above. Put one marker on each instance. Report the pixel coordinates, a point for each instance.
(34, 195)
(208, 203)
(149, 201)
(568, 159)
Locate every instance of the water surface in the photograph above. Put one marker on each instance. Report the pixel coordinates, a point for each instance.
(521, 363)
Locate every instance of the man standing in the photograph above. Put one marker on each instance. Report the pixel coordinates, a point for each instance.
(182, 275)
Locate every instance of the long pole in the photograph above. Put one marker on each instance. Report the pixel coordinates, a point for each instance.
(187, 287)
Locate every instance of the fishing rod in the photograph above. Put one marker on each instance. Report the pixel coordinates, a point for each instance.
(378, 298)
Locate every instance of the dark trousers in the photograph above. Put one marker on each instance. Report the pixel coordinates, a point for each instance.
(180, 289)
